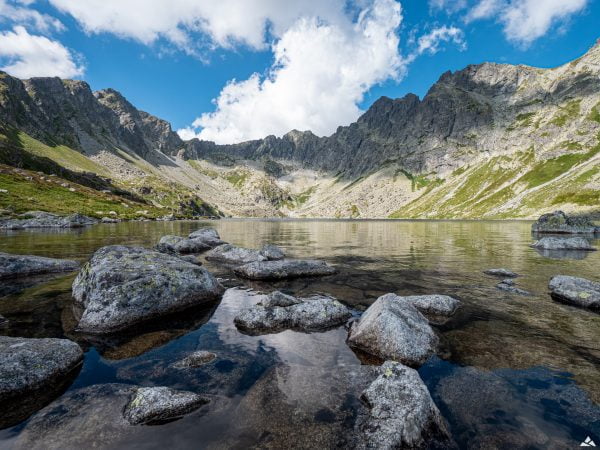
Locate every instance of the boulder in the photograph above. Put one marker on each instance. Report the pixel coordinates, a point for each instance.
(576, 291)
(284, 269)
(508, 285)
(150, 405)
(280, 312)
(109, 220)
(272, 252)
(401, 413)
(195, 359)
(24, 265)
(434, 307)
(559, 222)
(207, 235)
(42, 219)
(178, 244)
(554, 243)
(231, 254)
(27, 365)
(123, 286)
(391, 329)
(502, 273)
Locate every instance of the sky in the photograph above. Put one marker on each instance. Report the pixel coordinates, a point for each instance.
(234, 70)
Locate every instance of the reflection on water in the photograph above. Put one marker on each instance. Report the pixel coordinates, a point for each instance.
(512, 371)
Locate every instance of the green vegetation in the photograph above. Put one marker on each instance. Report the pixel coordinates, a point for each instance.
(237, 177)
(417, 181)
(522, 120)
(213, 174)
(594, 114)
(585, 197)
(567, 113)
(354, 211)
(571, 145)
(298, 200)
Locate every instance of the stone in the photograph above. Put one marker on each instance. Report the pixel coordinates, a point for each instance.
(576, 291)
(554, 243)
(160, 404)
(12, 266)
(122, 286)
(231, 254)
(508, 285)
(281, 312)
(434, 307)
(401, 413)
(390, 329)
(272, 252)
(178, 244)
(284, 269)
(503, 273)
(559, 222)
(195, 359)
(42, 219)
(109, 220)
(208, 236)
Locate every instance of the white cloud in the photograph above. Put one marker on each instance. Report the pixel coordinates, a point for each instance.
(18, 15)
(449, 6)
(25, 55)
(320, 73)
(430, 42)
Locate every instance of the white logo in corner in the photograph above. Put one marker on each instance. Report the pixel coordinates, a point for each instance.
(588, 442)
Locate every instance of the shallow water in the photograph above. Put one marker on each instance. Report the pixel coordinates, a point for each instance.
(511, 372)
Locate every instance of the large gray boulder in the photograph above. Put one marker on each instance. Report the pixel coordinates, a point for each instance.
(42, 219)
(279, 312)
(401, 413)
(150, 405)
(207, 235)
(29, 364)
(396, 330)
(554, 243)
(559, 222)
(576, 291)
(231, 254)
(23, 265)
(284, 269)
(178, 244)
(123, 286)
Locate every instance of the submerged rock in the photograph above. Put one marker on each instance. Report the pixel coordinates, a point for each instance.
(503, 273)
(24, 265)
(554, 243)
(177, 244)
(508, 285)
(207, 235)
(391, 329)
(280, 311)
(122, 286)
(576, 291)
(283, 269)
(42, 219)
(559, 222)
(160, 404)
(401, 413)
(195, 359)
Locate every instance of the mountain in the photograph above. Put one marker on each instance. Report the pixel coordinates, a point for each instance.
(491, 140)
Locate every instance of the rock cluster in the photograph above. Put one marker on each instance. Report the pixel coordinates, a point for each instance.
(559, 222)
(576, 291)
(41, 219)
(197, 242)
(23, 265)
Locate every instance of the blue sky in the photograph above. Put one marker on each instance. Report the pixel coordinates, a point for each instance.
(318, 64)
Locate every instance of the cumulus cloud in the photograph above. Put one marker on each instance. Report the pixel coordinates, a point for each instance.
(430, 42)
(15, 14)
(25, 55)
(320, 72)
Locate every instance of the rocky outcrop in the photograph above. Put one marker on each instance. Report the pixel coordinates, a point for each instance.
(123, 286)
(392, 329)
(207, 235)
(279, 312)
(502, 273)
(231, 254)
(284, 269)
(151, 405)
(558, 222)
(195, 359)
(576, 291)
(554, 243)
(12, 266)
(177, 244)
(41, 219)
(401, 413)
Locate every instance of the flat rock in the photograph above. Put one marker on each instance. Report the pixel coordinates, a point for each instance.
(123, 286)
(228, 253)
(576, 291)
(150, 405)
(284, 269)
(195, 359)
(554, 243)
(280, 312)
(390, 329)
(503, 273)
(178, 244)
(401, 413)
(559, 222)
(207, 235)
(24, 265)
(42, 219)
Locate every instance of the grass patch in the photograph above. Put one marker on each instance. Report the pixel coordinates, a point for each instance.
(237, 178)
(567, 113)
(583, 197)
(594, 114)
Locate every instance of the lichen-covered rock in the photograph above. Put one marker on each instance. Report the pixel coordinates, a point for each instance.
(272, 252)
(195, 359)
(554, 243)
(231, 254)
(391, 329)
(159, 404)
(559, 222)
(23, 265)
(207, 235)
(280, 311)
(508, 285)
(28, 364)
(401, 413)
(122, 286)
(432, 306)
(502, 273)
(42, 219)
(284, 269)
(178, 244)
(576, 291)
